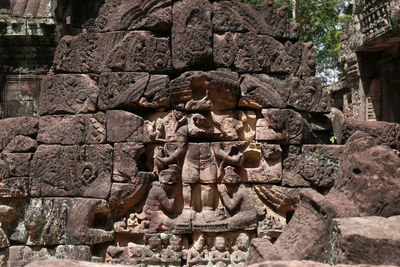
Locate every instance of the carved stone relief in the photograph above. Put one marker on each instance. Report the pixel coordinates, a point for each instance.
(166, 137)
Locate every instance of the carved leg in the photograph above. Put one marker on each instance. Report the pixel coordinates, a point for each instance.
(187, 203)
(207, 199)
(207, 196)
(187, 196)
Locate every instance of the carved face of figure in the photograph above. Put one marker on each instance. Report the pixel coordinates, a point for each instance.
(154, 243)
(242, 242)
(220, 243)
(178, 115)
(198, 245)
(230, 177)
(175, 243)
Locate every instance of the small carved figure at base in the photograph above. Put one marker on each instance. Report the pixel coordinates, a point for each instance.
(219, 256)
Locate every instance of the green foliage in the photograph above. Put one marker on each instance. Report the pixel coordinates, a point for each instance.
(322, 22)
(333, 140)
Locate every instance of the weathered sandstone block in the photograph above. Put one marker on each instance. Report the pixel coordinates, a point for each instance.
(72, 129)
(21, 144)
(232, 50)
(157, 92)
(10, 128)
(125, 197)
(283, 126)
(191, 34)
(116, 15)
(85, 53)
(121, 89)
(57, 221)
(366, 240)
(197, 90)
(123, 126)
(141, 51)
(312, 165)
(384, 133)
(17, 164)
(236, 16)
(68, 93)
(263, 91)
(75, 171)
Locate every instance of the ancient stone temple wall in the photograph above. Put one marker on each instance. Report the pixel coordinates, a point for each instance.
(29, 33)
(369, 89)
(27, 44)
(172, 133)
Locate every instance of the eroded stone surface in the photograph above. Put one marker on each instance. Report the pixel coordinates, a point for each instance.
(116, 15)
(57, 221)
(72, 129)
(312, 165)
(13, 127)
(141, 51)
(68, 93)
(235, 16)
(85, 53)
(192, 34)
(177, 133)
(75, 171)
(379, 236)
(119, 89)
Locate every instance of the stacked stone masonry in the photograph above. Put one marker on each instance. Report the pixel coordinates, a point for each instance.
(173, 133)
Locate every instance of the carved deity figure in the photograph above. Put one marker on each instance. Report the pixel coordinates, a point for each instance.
(172, 255)
(168, 156)
(197, 255)
(169, 128)
(200, 166)
(238, 201)
(239, 255)
(150, 254)
(157, 202)
(219, 256)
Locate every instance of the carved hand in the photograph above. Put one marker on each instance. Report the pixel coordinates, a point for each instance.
(221, 188)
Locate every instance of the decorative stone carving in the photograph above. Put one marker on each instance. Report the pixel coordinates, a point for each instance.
(126, 162)
(121, 89)
(283, 126)
(85, 171)
(240, 250)
(174, 133)
(197, 90)
(12, 127)
(161, 198)
(235, 16)
(68, 93)
(231, 51)
(141, 51)
(85, 53)
(191, 34)
(156, 94)
(124, 197)
(72, 129)
(312, 165)
(238, 201)
(118, 15)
